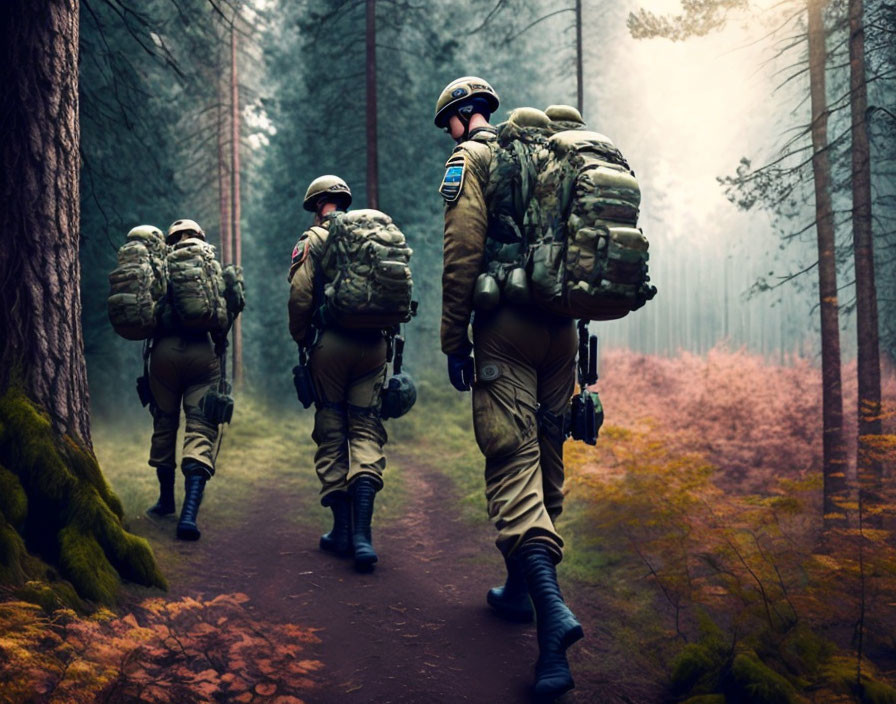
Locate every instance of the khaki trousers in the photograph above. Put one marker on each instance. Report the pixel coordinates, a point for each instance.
(523, 361)
(348, 371)
(181, 369)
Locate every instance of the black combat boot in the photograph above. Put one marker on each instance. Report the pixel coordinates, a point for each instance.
(195, 477)
(363, 490)
(557, 626)
(339, 539)
(512, 600)
(165, 505)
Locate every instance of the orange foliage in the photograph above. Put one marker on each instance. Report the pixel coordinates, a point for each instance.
(191, 650)
(684, 440)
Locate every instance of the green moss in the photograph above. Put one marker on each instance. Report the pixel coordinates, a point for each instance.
(12, 550)
(84, 464)
(42, 595)
(874, 692)
(71, 518)
(696, 669)
(83, 561)
(759, 683)
(706, 699)
(805, 652)
(13, 502)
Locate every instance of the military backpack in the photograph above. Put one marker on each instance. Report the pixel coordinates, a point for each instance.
(138, 284)
(563, 223)
(198, 288)
(366, 261)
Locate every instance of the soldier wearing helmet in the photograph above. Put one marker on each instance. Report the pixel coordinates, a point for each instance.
(348, 370)
(522, 370)
(183, 367)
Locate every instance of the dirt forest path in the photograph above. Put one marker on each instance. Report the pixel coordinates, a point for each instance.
(417, 629)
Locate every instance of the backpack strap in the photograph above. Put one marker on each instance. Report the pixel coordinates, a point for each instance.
(319, 320)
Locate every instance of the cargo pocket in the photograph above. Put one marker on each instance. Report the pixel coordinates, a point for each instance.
(495, 424)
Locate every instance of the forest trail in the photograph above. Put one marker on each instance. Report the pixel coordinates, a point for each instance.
(417, 629)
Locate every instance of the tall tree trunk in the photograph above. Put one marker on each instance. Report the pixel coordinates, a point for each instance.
(580, 91)
(40, 277)
(224, 194)
(373, 186)
(834, 449)
(868, 469)
(235, 177)
(59, 503)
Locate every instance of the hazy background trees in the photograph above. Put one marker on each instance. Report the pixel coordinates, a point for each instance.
(685, 114)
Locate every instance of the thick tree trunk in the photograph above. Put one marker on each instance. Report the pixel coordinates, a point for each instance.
(580, 80)
(834, 458)
(373, 185)
(40, 278)
(56, 501)
(868, 469)
(235, 177)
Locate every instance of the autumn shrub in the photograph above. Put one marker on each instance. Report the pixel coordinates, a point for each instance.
(747, 608)
(753, 420)
(190, 650)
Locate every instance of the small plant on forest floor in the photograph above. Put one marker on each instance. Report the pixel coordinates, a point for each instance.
(191, 650)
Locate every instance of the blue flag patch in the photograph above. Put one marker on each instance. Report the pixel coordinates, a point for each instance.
(453, 179)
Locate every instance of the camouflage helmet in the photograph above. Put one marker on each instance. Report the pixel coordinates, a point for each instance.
(324, 186)
(145, 231)
(459, 90)
(564, 113)
(398, 396)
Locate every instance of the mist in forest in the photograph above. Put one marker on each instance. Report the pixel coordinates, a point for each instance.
(683, 112)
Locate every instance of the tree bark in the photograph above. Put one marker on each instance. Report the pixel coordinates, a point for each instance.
(224, 192)
(373, 186)
(580, 91)
(868, 469)
(834, 448)
(60, 505)
(40, 276)
(235, 178)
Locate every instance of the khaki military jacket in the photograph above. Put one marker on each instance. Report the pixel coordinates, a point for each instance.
(466, 227)
(306, 259)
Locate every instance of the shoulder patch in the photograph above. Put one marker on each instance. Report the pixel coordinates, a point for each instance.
(300, 251)
(453, 180)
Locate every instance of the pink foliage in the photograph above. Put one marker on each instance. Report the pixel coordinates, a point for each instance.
(754, 420)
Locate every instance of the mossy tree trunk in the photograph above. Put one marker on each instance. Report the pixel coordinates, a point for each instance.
(54, 501)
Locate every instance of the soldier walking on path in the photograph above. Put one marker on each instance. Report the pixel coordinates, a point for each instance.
(175, 295)
(524, 362)
(345, 340)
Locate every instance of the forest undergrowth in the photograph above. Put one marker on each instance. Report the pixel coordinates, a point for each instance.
(696, 520)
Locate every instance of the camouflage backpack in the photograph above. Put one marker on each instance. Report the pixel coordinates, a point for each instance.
(197, 286)
(366, 263)
(138, 284)
(575, 202)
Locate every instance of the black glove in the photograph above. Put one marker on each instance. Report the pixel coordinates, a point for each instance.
(460, 371)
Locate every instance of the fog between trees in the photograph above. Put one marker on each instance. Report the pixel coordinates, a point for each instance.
(155, 112)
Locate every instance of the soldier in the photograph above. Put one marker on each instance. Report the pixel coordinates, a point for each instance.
(183, 367)
(524, 362)
(348, 369)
